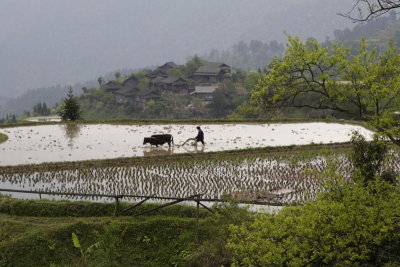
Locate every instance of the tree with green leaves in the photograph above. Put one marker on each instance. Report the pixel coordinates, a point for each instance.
(368, 159)
(364, 86)
(350, 223)
(70, 109)
(362, 228)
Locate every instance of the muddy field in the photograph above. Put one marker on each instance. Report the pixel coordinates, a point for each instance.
(74, 142)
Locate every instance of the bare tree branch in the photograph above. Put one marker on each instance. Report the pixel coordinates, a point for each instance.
(364, 10)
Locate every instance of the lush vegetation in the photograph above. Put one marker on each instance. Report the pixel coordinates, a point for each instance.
(350, 224)
(3, 138)
(39, 237)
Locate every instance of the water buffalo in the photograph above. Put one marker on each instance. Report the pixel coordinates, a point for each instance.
(159, 139)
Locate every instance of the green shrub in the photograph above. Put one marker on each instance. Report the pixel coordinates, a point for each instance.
(3, 138)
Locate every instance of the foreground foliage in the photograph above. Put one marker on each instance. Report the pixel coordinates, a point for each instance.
(353, 226)
(349, 224)
(54, 233)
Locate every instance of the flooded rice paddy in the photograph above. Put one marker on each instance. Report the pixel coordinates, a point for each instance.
(74, 142)
(279, 178)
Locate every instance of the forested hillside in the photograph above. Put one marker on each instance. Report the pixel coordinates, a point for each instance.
(257, 55)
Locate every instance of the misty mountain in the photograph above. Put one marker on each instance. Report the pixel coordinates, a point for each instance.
(251, 56)
(47, 42)
(50, 95)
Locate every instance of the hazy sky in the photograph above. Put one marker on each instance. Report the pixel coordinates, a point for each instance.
(49, 42)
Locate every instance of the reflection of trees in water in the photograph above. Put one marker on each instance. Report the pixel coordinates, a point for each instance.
(154, 151)
(72, 131)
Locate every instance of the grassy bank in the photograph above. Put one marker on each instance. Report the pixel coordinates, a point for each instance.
(150, 241)
(3, 138)
(39, 233)
(48, 208)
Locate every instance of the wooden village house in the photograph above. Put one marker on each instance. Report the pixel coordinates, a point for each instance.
(162, 71)
(204, 91)
(173, 85)
(212, 73)
(112, 86)
(202, 84)
(128, 91)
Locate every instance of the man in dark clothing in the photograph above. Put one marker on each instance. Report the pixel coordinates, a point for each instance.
(200, 135)
(198, 138)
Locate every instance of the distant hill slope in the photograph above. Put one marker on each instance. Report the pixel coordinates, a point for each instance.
(49, 95)
(256, 55)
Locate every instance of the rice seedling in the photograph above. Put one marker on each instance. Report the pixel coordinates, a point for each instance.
(263, 177)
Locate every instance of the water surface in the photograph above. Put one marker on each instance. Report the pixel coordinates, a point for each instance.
(73, 142)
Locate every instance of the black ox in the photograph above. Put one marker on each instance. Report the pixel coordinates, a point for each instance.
(159, 139)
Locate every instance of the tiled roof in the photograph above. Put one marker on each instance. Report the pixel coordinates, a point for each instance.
(212, 68)
(202, 89)
(172, 79)
(113, 85)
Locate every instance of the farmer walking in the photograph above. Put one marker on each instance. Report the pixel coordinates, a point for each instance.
(200, 135)
(198, 138)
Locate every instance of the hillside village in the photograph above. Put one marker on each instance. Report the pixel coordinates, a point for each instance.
(161, 81)
(195, 89)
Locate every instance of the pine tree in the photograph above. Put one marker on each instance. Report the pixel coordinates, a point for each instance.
(70, 109)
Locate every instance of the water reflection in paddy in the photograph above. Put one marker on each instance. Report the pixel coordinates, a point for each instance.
(72, 142)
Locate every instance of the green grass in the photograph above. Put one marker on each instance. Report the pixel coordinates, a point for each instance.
(48, 208)
(34, 233)
(38, 233)
(3, 138)
(152, 241)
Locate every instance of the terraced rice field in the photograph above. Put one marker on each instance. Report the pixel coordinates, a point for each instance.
(280, 178)
(74, 142)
